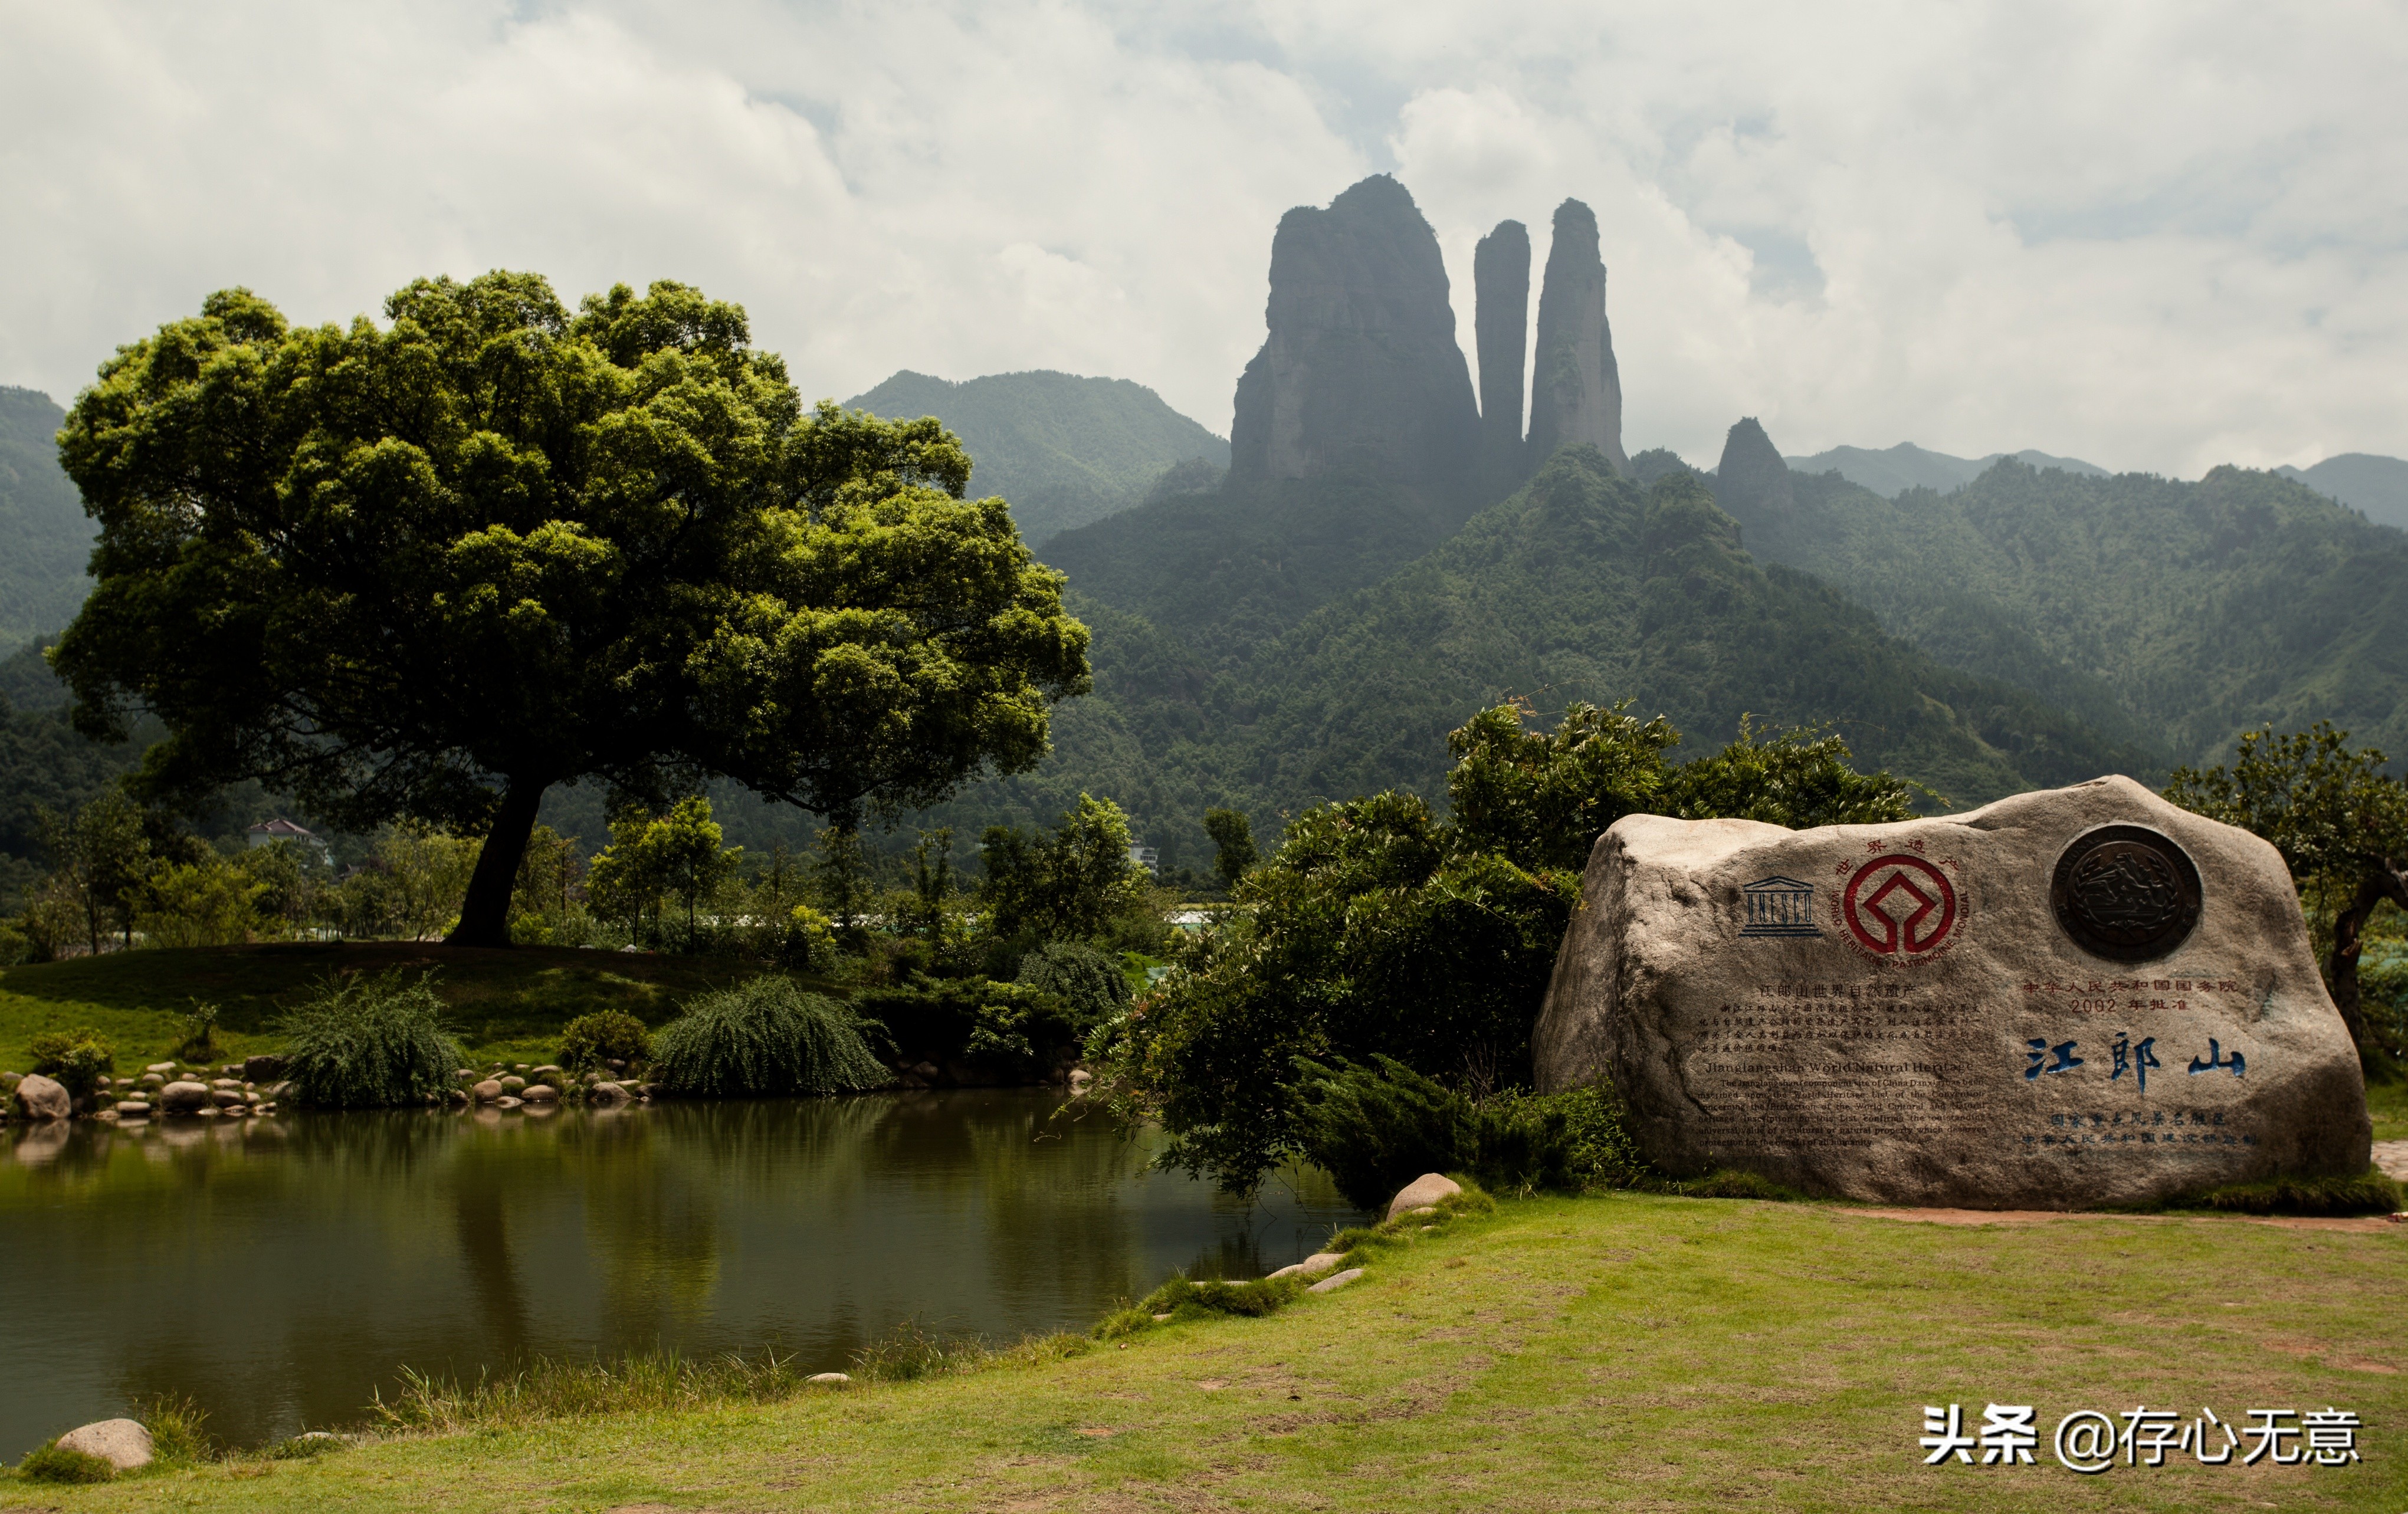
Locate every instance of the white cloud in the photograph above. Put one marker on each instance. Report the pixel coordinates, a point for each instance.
(2158, 235)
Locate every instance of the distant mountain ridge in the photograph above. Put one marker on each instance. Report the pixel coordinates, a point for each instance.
(1893, 470)
(2374, 485)
(1063, 448)
(45, 537)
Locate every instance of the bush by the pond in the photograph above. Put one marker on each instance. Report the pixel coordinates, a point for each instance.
(79, 1059)
(589, 1041)
(2373, 1194)
(1090, 985)
(1573, 1140)
(1008, 1027)
(765, 1036)
(369, 1043)
(1376, 1128)
(55, 1462)
(1183, 1298)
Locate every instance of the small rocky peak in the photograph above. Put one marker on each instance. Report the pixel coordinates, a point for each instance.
(1753, 483)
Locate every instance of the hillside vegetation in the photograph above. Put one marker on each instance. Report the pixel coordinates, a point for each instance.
(1580, 587)
(44, 534)
(1064, 449)
(2196, 609)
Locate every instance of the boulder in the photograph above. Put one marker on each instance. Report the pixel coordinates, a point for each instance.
(1311, 1266)
(184, 1096)
(123, 1444)
(514, 1084)
(37, 1097)
(1427, 1188)
(2067, 999)
(509, 1101)
(605, 1095)
(134, 1109)
(228, 1098)
(222, 1084)
(541, 1094)
(1335, 1281)
(488, 1091)
(151, 1079)
(162, 1068)
(835, 1379)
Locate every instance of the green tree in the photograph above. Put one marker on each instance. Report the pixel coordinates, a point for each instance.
(1060, 885)
(2341, 823)
(433, 568)
(842, 874)
(1233, 844)
(99, 858)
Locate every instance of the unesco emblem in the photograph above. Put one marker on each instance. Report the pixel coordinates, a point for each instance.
(1901, 907)
(1779, 906)
(2125, 892)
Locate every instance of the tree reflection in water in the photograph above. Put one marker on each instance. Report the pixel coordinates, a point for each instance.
(282, 1271)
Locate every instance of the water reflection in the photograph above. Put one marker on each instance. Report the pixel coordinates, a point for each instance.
(279, 1271)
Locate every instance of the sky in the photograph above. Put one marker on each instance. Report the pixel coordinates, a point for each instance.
(2156, 235)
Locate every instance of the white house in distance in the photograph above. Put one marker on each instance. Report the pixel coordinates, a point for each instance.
(267, 832)
(1139, 852)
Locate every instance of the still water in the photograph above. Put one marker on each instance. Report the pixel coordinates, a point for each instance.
(282, 1271)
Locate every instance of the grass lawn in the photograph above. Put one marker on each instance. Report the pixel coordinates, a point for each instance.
(2387, 1102)
(1621, 1353)
(503, 1003)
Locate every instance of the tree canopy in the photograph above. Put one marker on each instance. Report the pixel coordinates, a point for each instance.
(433, 568)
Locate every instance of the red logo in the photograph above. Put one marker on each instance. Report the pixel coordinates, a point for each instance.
(1899, 907)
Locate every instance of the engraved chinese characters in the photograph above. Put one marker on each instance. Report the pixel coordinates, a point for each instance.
(2126, 893)
(1896, 1013)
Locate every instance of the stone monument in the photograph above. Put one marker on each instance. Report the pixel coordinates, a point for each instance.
(2073, 998)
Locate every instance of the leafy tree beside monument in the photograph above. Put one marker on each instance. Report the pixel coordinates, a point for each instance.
(434, 569)
(2341, 823)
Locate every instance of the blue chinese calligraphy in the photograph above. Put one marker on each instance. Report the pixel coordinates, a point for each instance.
(2042, 1052)
(2216, 1057)
(2138, 1059)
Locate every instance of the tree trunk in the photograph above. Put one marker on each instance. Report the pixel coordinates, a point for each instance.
(485, 913)
(2340, 969)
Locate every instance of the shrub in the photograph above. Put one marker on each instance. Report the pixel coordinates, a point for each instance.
(178, 1428)
(1009, 1027)
(610, 1035)
(78, 1058)
(55, 1462)
(766, 1036)
(1574, 1139)
(1376, 1128)
(200, 1030)
(373, 1044)
(1183, 1298)
(1091, 986)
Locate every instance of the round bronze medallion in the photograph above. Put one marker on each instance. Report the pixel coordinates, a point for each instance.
(2125, 892)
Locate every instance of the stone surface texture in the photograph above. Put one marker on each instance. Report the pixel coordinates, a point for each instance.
(184, 1097)
(2392, 1158)
(1501, 283)
(37, 1097)
(123, 1444)
(1752, 484)
(1424, 1191)
(1360, 373)
(1575, 384)
(1335, 1281)
(1311, 1266)
(1942, 1040)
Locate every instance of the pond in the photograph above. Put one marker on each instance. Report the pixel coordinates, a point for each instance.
(282, 1271)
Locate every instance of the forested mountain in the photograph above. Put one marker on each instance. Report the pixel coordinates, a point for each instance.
(1582, 586)
(2375, 486)
(2195, 609)
(1064, 449)
(1894, 470)
(45, 536)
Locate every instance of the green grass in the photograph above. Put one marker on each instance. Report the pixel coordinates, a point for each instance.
(2387, 1102)
(508, 1004)
(1632, 1351)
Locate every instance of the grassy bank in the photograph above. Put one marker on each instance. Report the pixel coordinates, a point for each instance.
(501, 1004)
(1622, 1352)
